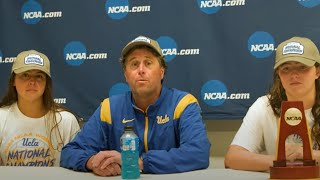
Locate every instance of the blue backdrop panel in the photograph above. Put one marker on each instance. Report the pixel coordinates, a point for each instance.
(221, 51)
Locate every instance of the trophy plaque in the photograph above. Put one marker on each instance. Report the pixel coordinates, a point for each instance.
(293, 121)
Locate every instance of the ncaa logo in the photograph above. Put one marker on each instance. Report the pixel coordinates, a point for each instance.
(168, 46)
(31, 12)
(214, 93)
(75, 53)
(117, 9)
(119, 88)
(293, 116)
(209, 6)
(309, 3)
(261, 44)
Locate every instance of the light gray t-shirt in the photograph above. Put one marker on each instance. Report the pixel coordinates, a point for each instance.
(24, 141)
(259, 129)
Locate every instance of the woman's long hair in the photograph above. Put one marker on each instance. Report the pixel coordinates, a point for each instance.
(278, 94)
(53, 109)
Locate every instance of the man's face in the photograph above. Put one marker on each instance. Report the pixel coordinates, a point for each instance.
(143, 73)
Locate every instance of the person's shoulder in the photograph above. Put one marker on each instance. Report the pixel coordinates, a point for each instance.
(262, 100)
(262, 105)
(183, 96)
(67, 115)
(177, 91)
(186, 95)
(5, 109)
(118, 97)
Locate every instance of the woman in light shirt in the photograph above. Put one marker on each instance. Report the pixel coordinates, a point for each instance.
(33, 128)
(296, 78)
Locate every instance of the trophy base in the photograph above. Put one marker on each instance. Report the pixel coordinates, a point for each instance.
(295, 172)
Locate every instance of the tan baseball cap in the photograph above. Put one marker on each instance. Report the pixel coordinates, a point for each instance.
(298, 49)
(141, 40)
(31, 59)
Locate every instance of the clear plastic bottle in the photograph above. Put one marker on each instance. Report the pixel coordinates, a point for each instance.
(129, 154)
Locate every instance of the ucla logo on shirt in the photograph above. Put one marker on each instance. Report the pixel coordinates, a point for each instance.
(28, 149)
(162, 119)
(261, 44)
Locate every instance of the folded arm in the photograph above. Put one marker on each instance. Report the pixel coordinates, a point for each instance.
(240, 158)
(88, 142)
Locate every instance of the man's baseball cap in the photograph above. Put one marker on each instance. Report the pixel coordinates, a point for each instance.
(298, 49)
(31, 59)
(141, 40)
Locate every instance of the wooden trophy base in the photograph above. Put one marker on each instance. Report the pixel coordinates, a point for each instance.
(295, 172)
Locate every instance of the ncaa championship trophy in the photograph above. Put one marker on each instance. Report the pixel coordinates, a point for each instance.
(293, 121)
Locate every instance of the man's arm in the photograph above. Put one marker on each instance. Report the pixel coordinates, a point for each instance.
(193, 151)
(88, 142)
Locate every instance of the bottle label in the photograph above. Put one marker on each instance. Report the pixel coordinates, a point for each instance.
(129, 144)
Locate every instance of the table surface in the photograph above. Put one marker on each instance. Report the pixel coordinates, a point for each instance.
(216, 171)
(59, 173)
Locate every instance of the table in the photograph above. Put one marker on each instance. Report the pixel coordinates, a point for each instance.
(59, 173)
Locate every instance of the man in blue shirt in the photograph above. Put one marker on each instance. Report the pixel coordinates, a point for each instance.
(168, 122)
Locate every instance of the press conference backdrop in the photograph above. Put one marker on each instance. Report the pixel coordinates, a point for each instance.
(221, 51)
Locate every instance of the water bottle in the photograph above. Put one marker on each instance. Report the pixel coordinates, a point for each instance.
(129, 154)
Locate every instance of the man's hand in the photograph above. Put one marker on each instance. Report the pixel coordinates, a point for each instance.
(105, 163)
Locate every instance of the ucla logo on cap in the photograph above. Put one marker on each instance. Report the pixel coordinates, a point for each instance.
(33, 59)
(293, 48)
